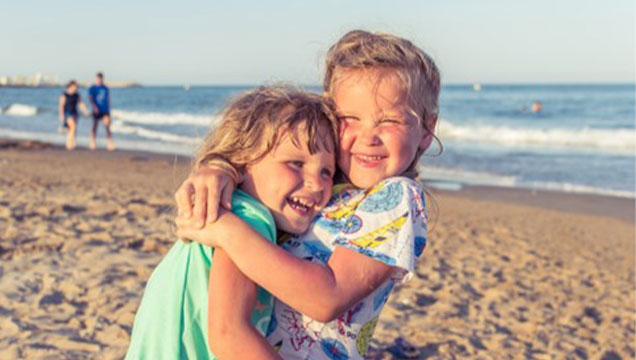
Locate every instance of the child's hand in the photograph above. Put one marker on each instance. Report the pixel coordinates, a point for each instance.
(209, 235)
(199, 195)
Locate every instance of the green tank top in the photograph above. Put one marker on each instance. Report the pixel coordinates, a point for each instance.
(171, 322)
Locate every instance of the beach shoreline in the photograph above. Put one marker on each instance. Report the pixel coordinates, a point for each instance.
(506, 271)
(584, 203)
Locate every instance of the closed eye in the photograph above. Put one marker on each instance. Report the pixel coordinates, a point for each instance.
(391, 121)
(347, 118)
(295, 164)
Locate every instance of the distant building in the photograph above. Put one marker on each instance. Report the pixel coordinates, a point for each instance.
(42, 80)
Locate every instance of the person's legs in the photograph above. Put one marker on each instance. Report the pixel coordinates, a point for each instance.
(70, 133)
(110, 144)
(93, 143)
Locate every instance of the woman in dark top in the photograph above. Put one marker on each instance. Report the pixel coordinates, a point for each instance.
(69, 100)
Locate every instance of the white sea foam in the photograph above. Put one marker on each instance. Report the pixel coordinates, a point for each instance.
(54, 138)
(577, 188)
(60, 139)
(123, 128)
(614, 140)
(466, 177)
(452, 179)
(20, 110)
(157, 118)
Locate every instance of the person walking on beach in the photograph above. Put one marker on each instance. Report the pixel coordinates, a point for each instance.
(68, 102)
(99, 96)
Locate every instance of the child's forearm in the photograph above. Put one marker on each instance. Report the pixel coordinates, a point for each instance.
(308, 287)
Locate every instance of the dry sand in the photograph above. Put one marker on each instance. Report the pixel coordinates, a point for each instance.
(507, 273)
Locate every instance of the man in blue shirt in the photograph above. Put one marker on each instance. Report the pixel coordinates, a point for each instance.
(99, 97)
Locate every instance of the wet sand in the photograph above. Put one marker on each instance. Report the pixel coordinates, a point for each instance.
(507, 273)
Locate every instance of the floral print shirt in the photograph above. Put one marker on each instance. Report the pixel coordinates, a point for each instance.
(387, 223)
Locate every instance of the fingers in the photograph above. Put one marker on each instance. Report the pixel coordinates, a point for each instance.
(183, 231)
(220, 188)
(201, 195)
(213, 203)
(226, 195)
(183, 198)
(178, 228)
(200, 204)
(185, 228)
(188, 230)
(181, 222)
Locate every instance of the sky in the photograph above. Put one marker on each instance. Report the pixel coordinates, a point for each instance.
(250, 42)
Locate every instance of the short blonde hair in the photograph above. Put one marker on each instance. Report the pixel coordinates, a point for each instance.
(359, 49)
(363, 50)
(252, 125)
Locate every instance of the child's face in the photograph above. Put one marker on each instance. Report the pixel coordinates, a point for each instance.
(379, 137)
(292, 183)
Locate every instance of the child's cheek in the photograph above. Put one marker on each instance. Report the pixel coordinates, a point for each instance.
(346, 139)
(343, 127)
(394, 132)
(399, 132)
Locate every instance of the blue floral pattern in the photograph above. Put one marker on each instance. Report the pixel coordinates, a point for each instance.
(386, 223)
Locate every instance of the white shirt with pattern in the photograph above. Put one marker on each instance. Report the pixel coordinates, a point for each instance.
(387, 223)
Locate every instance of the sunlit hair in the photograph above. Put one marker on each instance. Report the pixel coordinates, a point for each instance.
(363, 50)
(253, 124)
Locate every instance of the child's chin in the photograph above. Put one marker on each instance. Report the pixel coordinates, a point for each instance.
(295, 229)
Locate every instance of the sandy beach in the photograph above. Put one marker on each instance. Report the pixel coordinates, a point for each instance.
(508, 273)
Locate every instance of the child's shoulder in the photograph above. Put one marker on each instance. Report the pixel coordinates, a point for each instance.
(254, 212)
(393, 190)
(405, 187)
(388, 193)
(403, 181)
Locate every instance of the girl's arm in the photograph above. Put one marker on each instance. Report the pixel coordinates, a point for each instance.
(91, 100)
(83, 107)
(62, 102)
(232, 297)
(320, 292)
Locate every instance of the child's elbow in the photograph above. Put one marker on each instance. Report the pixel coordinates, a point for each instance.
(325, 316)
(327, 312)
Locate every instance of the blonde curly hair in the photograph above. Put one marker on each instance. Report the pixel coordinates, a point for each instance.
(252, 125)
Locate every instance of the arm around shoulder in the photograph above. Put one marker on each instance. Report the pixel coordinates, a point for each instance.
(354, 270)
(318, 291)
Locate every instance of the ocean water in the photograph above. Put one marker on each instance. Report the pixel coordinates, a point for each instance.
(584, 139)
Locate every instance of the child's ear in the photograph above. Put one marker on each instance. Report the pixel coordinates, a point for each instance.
(428, 137)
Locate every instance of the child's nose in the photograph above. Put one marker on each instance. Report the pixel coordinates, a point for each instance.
(313, 182)
(369, 135)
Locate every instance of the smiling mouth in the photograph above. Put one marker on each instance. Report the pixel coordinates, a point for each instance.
(301, 205)
(369, 159)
